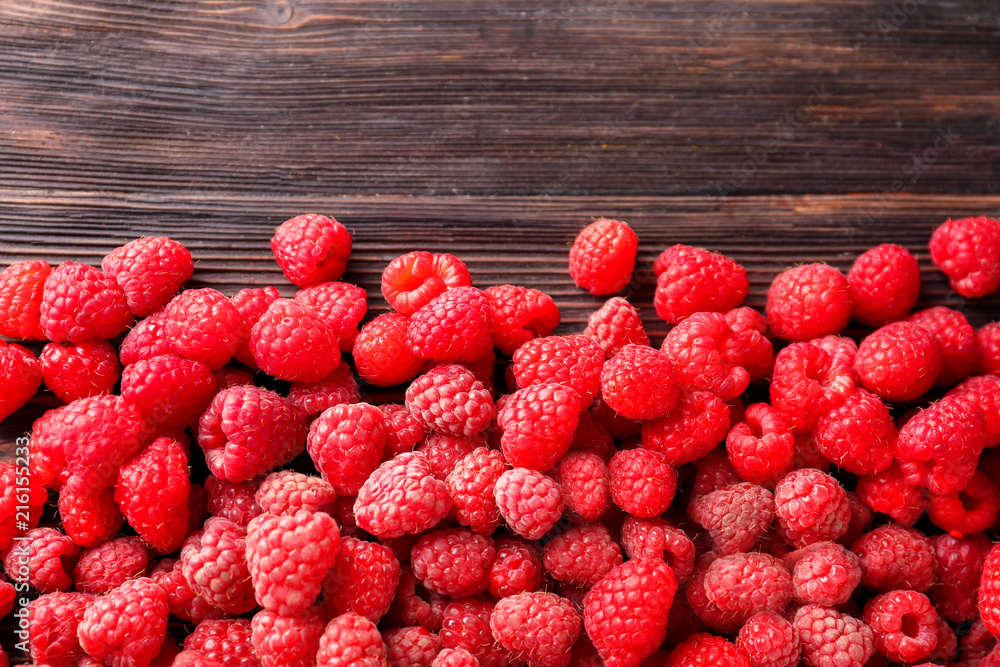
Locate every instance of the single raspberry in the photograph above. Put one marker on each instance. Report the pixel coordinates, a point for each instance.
(968, 252)
(415, 605)
(128, 625)
(832, 639)
(89, 517)
(988, 340)
(899, 362)
(824, 573)
(465, 625)
(351, 640)
(894, 557)
(346, 444)
(108, 565)
(735, 516)
(811, 506)
(692, 429)
(412, 646)
(444, 451)
(643, 483)
(401, 497)
(311, 249)
(453, 562)
(703, 649)
(81, 370)
(989, 591)
(574, 361)
(614, 325)
(235, 501)
(541, 627)
(286, 491)
(808, 301)
(149, 270)
(381, 354)
(904, 624)
(22, 376)
(286, 640)
(54, 618)
(957, 338)
(402, 431)
(455, 657)
(80, 303)
(586, 485)
(625, 613)
(691, 280)
(769, 640)
(656, 538)
(808, 382)
(251, 303)
(705, 353)
(529, 501)
(972, 510)
(859, 435)
(171, 392)
(21, 286)
(204, 325)
(448, 398)
(519, 314)
(696, 596)
(19, 493)
(471, 483)
(248, 431)
(958, 568)
(939, 447)
(184, 603)
(744, 584)
(985, 390)
(538, 424)
(582, 555)
(761, 447)
(756, 352)
(293, 342)
(228, 642)
(147, 339)
(214, 564)
(363, 579)
(340, 305)
(410, 281)
(602, 257)
(888, 492)
(640, 383)
(883, 284)
(517, 568)
(337, 388)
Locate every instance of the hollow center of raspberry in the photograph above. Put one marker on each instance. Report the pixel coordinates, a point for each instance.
(909, 625)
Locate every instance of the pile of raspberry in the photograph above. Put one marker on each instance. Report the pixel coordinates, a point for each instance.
(760, 490)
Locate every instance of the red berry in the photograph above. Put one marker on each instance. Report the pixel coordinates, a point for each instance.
(811, 507)
(149, 270)
(52, 633)
(292, 342)
(744, 584)
(639, 383)
(573, 361)
(214, 564)
(22, 376)
(988, 340)
(251, 303)
(756, 352)
(735, 516)
(128, 625)
(614, 325)
(353, 640)
(808, 382)
(858, 435)
(471, 483)
(153, 492)
(519, 314)
(452, 657)
(517, 568)
(203, 325)
(643, 483)
(89, 516)
(453, 562)
(893, 557)
(824, 573)
(655, 538)
(286, 491)
(169, 391)
(21, 286)
(235, 501)
(974, 509)
(77, 371)
(453, 326)
(968, 252)
(602, 257)
(18, 494)
(769, 640)
(706, 353)
(412, 646)
(410, 281)
(311, 249)
(985, 390)
(147, 339)
(44, 559)
(337, 388)
(692, 429)
(808, 301)
(884, 284)
(340, 305)
(832, 639)
(381, 354)
(905, 625)
(692, 280)
(80, 303)
(890, 493)
(582, 555)
(286, 640)
(708, 650)
(401, 497)
(958, 568)
(108, 565)
(538, 424)
(542, 627)
(363, 579)
(184, 603)
(586, 485)
(899, 362)
(957, 338)
(529, 501)
(227, 642)
(761, 447)
(346, 443)
(448, 398)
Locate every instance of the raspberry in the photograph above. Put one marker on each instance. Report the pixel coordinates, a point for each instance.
(625, 613)
(582, 555)
(947, 643)
(21, 286)
(769, 640)
(757, 353)
(340, 305)
(895, 557)
(968, 252)
(642, 482)
(696, 595)
(251, 303)
(286, 641)
(888, 492)
(402, 431)
(471, 483)
(702, 649)
(824, 573)
(858, 435)
(147, 339)
(904, 624)
(761, 447)
(109, 564)
(127, 626)
(808, 301)
(248, 431)
(735, 516)
(939, 447)
(614, 325)
(899, 361)
(409, 647)
(573, 361)
(713, 471)
(519, 314)
(453, 562)
(832, 639)
(351, 640)
(415, 605)
(311, 249)
(80, 303)
(538, 424)
(401, 497)
(236, 502)
(541, 627)
(444, 451)
(883, 284)
(22, 376)
(363, 579)
(338, 388)
(705, 352)
(989, 591)
(149, 270)
(958, 568)
(448, 398)
(744, 584)
(18, 493)
(228, 642)
(214, 564)
(381, 354)
(171, 392)
(639, 383)
(203, 325)
(55, 618)
(410, 281)
(808, 382)
(184, 603)
(988, 340)
(974, 509)
(89, 516)
(691, 280)
(451, 657)
(693, 428)
(517, 568)
(346, 443)
(977, 643)
(603, 256)
(285, 492)
(586, 485)
(957, 338)
(453, 326)
(655, 538)
(529, 501)
(293, 342)
(985, 390)
(77, 371)
(811, 506)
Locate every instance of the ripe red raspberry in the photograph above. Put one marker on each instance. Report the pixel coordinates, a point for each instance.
(974, 509)
(214, 564)
(401, 497)
(602, 257)
(147, 339)
(904, 624)
(757, 352)
(888, 492)
(351, 640)
(703, 649)
(292, 342)
(55, 618)
(538, 424)
(761, 447)
(985, 390)
(80, 303)
(529, 501)
(693, 428)
(614, 325)
(21, 286)
(153, 491)
(184, 603)
(811, 506)
(363, 579)
(128, 625)
(640, 383)
(705, 353)
(236, 502)
(409, 646)
(989, 591)
(81, 370)
(18, 493)
(251, 303)
(741, 585)
(735, 516)
(808, 382)
(452, 657)
(957, 338)
(884, 284)
(808, 301)
(858, 435)
(453, 562)
(203, 325)
(832, 639)
(573, 361)
(541, 627)
(228, 642)
(335, 389)
(586, 485)
(248, 431)
(346, 443)
(947, 644)
(643, 483)
(655, 538)
(453, 326)
(106, 566)
(824, 573)
(958, 568)
(696, 595)
(968, 252)
(381, 354)
(340, 305)
(402, 431)
(988, 340)
(448, 398)
(713, 471)
(286, 641)
(410, 281)
(517, 568)
(170, 392)
(311, 249)
(894, 557)
(625, 613)
(22, 376)
(769, 640)
(89, 517)
(149, 270)
(444, 451)
(899, 362)
(286, 491)
(471, 483)
(692, 280)
(582, 555)
(519, 314)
